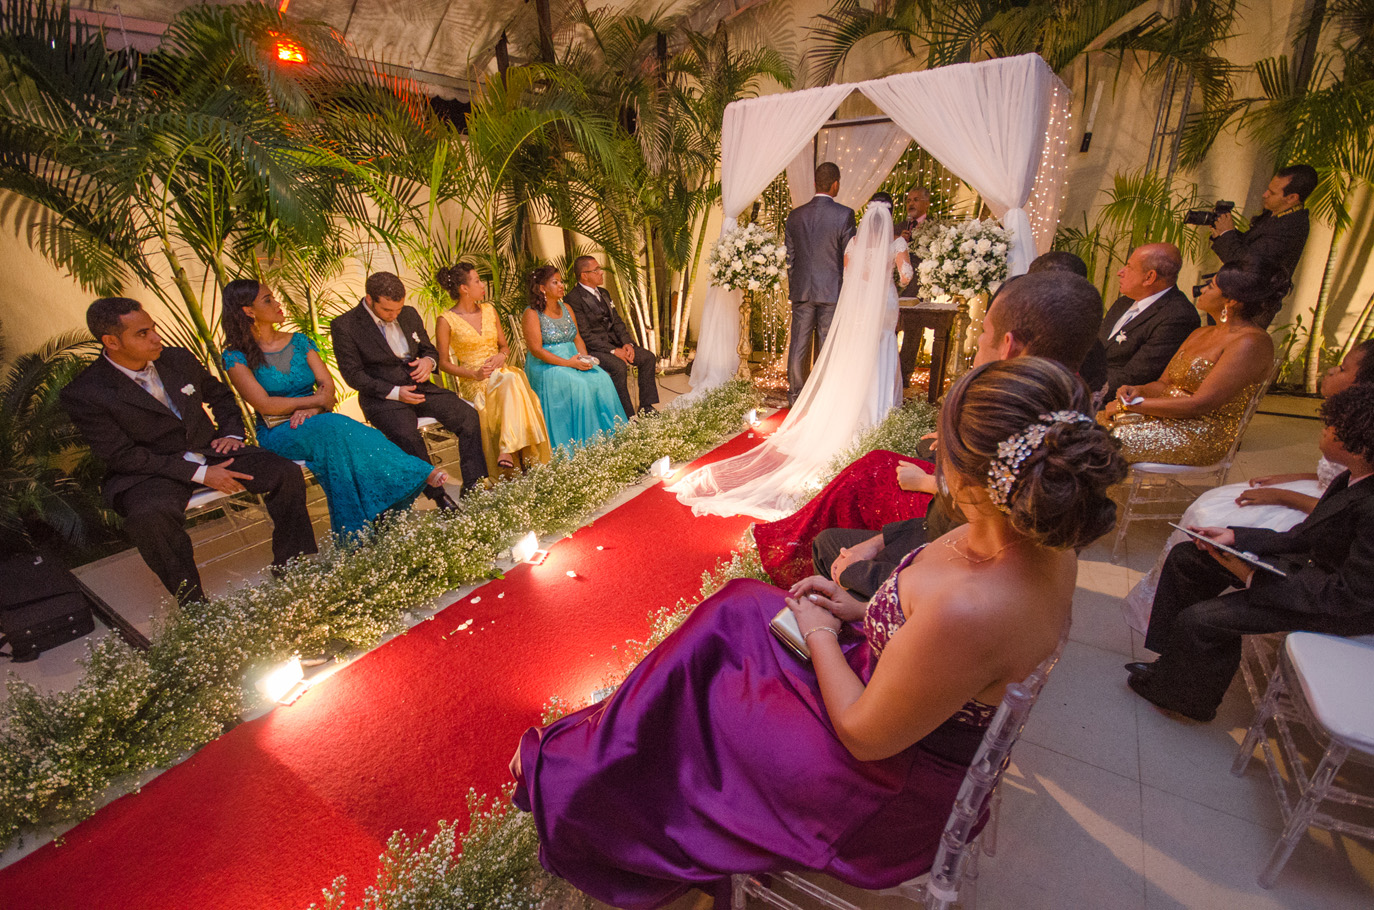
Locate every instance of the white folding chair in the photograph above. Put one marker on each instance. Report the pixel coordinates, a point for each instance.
(1322, 683)
(1157, 491)
(242, 511)
(954, 872)
(437, 440)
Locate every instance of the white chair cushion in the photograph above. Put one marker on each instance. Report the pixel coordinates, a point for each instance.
(1337, 676)
(203, 497)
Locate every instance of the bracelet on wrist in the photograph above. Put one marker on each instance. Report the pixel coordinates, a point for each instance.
(834, 632)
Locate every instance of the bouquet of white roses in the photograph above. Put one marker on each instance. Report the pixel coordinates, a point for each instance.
(961, 260)
(749, 259)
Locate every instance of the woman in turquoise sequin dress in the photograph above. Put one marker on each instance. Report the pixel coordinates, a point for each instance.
(578, 397)
(280, 374)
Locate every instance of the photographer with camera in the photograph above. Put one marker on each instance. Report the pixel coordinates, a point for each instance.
(1277, 234)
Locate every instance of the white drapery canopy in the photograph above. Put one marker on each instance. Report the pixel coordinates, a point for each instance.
(1001, 126)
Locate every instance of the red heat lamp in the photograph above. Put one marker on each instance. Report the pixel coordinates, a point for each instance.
(287, 50)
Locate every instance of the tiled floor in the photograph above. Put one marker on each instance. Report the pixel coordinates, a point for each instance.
(1109, 803)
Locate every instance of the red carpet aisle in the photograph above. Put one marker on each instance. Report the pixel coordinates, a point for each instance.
(269, 813)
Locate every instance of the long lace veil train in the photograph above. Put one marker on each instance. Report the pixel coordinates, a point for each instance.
(837, 402)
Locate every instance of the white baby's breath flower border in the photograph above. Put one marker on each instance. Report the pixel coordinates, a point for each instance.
(135, 711)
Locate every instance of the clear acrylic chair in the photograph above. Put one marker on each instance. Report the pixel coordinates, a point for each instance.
(1322, 683)
(953, 875)
(1157, 491)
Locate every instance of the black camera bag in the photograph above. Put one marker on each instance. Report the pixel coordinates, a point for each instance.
(41, 606)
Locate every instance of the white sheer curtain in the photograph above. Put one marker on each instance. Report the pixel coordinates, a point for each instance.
(759, 137)
(986, 123)
(865, 154)
(999, 125)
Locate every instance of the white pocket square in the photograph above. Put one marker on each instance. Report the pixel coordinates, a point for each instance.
(188, 390)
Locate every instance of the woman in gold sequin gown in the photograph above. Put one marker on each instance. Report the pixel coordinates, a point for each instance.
(1191, 414)
(472, 347)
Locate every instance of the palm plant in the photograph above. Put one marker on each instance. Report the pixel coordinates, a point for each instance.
(666, 86)
(1141, 207)
(956, 31)
(173, 169)
(47, 476)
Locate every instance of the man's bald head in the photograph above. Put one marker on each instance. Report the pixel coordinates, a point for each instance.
(1151, 268)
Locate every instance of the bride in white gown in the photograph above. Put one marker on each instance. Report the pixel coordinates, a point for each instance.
(856, 381)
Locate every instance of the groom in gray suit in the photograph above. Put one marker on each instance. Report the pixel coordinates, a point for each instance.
(816, 235)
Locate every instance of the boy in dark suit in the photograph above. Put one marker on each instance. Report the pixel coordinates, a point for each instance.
(1329, 586)
(608, 338)
(141, 407)
(816, 235)
(384, 352)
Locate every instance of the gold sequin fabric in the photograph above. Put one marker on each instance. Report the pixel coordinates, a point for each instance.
(1185, 440)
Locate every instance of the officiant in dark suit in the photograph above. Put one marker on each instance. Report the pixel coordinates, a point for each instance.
(1329, 586)
(141, 407)
(607, 337)
(816, 235)
(917, 217)
(383, 351)
(1149, 321)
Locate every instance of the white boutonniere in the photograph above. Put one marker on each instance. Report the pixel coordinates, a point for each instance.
(1120, 337)
(416, 336)
(188, 390)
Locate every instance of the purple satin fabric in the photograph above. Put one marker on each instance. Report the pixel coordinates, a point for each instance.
(716, 756)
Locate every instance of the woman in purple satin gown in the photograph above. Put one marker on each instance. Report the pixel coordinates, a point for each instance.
(722, 752)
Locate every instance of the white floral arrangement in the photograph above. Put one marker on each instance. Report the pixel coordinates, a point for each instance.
(961, 260)
(748, 258)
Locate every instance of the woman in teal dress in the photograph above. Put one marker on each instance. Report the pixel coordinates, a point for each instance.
(281, 376)
(578, 397)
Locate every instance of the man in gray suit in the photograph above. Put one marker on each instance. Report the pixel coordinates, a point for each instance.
(816, 235)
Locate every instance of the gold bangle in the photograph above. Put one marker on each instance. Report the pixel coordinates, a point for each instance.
(834, 632)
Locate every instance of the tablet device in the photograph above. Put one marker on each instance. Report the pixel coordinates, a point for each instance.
(1242, 555)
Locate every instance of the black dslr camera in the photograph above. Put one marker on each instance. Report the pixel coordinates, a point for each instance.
(1208, 216)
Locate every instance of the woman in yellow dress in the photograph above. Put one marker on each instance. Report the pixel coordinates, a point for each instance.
(472, 347)
(1192, 413)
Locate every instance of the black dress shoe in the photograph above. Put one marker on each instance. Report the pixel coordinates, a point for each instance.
(445, 502)
(1141, 668)
(1141, 686)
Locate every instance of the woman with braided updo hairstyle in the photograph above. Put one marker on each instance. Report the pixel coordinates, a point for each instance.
(724, 752)
(1192, 413)
(472, 347)
(578, 397)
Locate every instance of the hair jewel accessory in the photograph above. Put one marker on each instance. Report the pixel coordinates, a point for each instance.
(1011, 452)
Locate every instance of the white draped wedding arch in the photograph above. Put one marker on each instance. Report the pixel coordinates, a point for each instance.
(1001, 126)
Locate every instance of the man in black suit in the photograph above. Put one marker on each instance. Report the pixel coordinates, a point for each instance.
(384, 352)
(1047, 313)
(1147, 324)
(816, 235)
(1329, 587)
(1277, 234)
(608, 338)
(141, 407)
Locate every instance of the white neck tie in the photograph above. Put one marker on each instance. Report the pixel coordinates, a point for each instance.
(395, 339)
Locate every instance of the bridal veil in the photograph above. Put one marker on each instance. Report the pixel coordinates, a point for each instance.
(837, 402)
